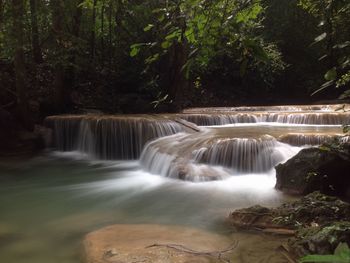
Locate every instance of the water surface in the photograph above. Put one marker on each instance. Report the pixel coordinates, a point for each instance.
(50, 202)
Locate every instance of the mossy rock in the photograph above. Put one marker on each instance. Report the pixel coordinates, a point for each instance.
(320, 240)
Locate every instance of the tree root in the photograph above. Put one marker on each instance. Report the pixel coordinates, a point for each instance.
(215, 254)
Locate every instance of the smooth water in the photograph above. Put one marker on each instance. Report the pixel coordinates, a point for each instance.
(50, 202)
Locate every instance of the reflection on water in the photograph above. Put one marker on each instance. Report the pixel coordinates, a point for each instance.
(49, 203)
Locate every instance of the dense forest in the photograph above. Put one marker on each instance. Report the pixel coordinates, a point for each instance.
(163, 55)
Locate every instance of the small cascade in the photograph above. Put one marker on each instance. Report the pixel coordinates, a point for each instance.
(245, 155)
(219, 119)
(208, 156)
(65, 131)
(294, 114)
(309, 118)
(109, 137)
(313, 118)
(301, 139)
(283, 108)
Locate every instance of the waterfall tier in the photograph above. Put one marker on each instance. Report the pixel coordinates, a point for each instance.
(302, 114)
(311, 118)
(209, 156)
(215, 153)
(109, 137)
(284, 108)
(302, 139)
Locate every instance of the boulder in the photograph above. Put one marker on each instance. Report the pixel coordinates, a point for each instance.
(325, 169)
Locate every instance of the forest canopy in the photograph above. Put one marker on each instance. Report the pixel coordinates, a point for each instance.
(141, 56)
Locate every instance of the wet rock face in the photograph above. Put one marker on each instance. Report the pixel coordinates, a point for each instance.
(324, 169)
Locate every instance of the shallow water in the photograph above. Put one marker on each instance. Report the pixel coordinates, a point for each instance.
(50, 202)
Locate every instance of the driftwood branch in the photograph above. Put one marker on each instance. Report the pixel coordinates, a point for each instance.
(215, 254)
(187, 125)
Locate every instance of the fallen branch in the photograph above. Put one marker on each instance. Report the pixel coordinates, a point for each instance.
(187, 124)
(216, 254)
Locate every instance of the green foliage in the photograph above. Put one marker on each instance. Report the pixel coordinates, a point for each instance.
(333, 16)
(208, 31)
(341, 255)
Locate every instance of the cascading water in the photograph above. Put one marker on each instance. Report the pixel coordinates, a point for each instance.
(252, 140)
(109, 137)
(209, 156)
(304, 114)
(315, 118)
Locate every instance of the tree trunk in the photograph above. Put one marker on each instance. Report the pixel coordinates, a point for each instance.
(20, 71)
(77, 18)
(70, 74)
(177, 81)
(93, 31)
(35, 32)
(110, 53)
(59, 89)
(102, 33)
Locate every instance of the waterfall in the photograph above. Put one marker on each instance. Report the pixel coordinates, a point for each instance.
(205, 156)
(108, 137)
(172, 145)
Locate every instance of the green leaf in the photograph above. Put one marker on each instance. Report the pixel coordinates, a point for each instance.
(148, 27)
(320, 37)
(342, 45)
(341, 255)
(189, 34)
(323, 258)
(324, 86)
(343, 250)
(135, 49)
(152, 59)
(331, 74)
(166, 44)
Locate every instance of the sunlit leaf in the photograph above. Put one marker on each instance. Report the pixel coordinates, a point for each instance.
(148, 27)
(331, 74)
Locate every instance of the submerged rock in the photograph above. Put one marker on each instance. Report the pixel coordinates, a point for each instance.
(324, 169)
(155, 244)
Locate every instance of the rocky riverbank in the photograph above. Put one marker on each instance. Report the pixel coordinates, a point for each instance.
(317, 223)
